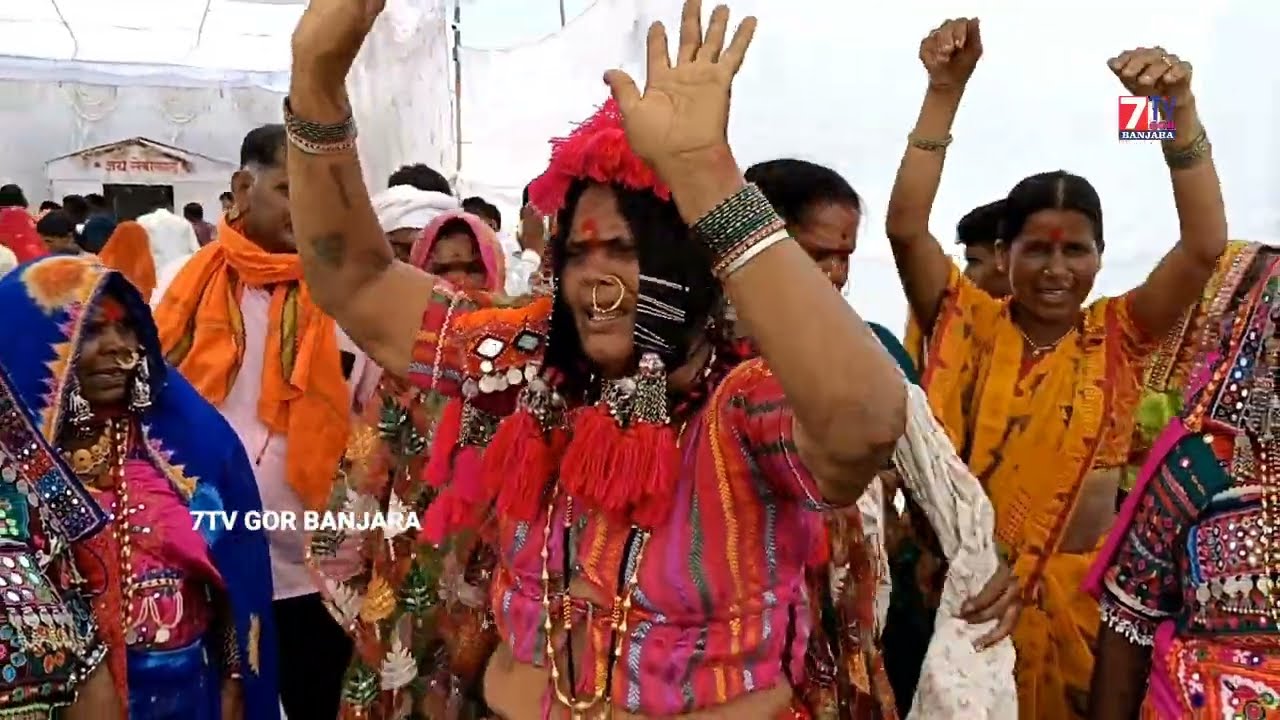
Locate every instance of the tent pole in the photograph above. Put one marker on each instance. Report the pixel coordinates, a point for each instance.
(457, 88)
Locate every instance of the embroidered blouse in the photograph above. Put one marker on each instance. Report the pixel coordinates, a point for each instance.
(1190, 544)
(720, 607)
(172, 573)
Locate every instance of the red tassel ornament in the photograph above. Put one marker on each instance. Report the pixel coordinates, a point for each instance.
(443, 442)
(525, 452)
(626, 463)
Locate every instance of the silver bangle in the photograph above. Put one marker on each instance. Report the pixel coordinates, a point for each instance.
(752, 252)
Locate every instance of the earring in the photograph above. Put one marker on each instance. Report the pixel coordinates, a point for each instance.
(140, 391)
(78, 407)
(649, 403)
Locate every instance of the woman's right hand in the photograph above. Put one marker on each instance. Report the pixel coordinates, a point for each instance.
(950, 53)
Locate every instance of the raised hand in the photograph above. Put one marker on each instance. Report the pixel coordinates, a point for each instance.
(1153, 71)
(682, 117)
(950, 53)
(328, 37)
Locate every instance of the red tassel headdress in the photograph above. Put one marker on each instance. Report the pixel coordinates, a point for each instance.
(627, 469)
(596, 150)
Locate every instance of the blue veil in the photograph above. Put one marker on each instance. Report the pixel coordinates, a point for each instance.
(42, 313)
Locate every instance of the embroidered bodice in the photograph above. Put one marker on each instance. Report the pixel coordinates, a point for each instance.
(172, 579)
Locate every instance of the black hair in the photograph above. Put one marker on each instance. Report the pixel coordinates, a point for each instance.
(49, 205)
(56, 223)
(422, 177)
(981, 225)
(524, 196)
(666, 249)
(96, 201)
(477, 205)
(12, 196)
(794, 187)
(193, 211)
(456, 225)
(226, 196)
(263, 146)
(75, 206)
(1056, 190)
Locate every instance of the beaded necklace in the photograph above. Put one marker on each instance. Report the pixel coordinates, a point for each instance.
(115, 441)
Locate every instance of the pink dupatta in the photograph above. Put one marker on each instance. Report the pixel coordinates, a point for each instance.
(490, 247)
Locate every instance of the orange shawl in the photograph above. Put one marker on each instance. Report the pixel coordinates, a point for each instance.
(304, 394)
(129, 251)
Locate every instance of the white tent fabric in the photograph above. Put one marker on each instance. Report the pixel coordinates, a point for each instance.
(401, 91)
(225, 34)
(834, 83)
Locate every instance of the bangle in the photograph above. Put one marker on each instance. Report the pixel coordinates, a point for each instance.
(1185, 157)
(319, 138)
(739, 221)
(929, 144)
(722, 264)
(751, 252)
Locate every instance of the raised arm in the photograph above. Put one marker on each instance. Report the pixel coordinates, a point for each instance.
(950, 53)
(846, 393)
(349, 266)
(1179, 279)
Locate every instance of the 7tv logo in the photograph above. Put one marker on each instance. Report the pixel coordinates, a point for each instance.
(1146, 118)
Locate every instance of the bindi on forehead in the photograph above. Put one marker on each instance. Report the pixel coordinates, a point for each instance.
(111, 310)
(1057, 233)
(589, 229)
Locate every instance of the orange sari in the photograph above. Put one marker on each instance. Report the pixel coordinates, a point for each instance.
(129, 251)
(1031, 430)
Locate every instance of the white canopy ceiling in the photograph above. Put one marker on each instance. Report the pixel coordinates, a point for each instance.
(140, 37)
(245, 35)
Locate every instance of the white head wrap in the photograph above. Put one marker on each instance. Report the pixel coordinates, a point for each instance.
(171, 237)
(404, 206)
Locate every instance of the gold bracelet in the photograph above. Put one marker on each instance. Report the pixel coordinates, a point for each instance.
(1185, 157)
(929, 144)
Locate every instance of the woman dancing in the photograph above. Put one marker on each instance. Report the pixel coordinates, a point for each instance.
(1039, 392)
(184, 613)
(1190, 577)
(648, 529)
(647, 476)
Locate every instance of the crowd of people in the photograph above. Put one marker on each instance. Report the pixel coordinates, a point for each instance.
(662, 467)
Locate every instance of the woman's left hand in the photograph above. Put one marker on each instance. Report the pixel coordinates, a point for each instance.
(1153, 71)
(682, 117)
(998, 600)
(232, 700)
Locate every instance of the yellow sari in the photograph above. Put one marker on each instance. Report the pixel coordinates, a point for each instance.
(1031, 431)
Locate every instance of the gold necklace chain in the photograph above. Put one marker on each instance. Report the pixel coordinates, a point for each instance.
(1036, 348)
(618, 615)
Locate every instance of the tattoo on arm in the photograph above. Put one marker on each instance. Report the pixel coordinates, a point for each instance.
(330, 249)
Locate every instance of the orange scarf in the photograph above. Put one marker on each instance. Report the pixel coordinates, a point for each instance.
(129, 251)
(304, 394)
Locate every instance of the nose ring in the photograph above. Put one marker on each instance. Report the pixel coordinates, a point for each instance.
(129, 361)
(617, 303)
